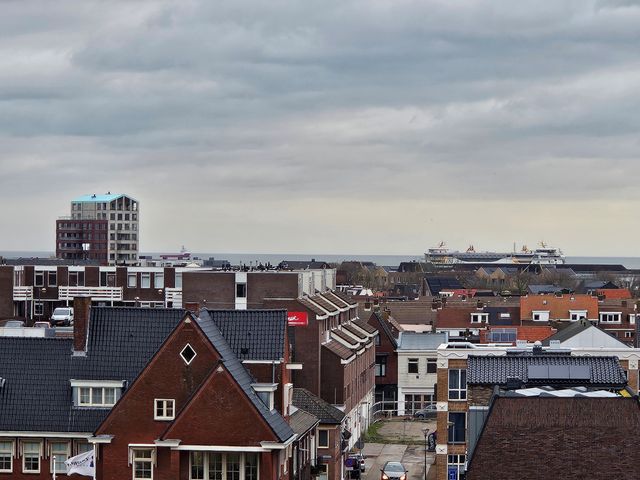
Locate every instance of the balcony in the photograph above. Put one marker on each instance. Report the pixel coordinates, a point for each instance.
(22, 294)
(96, 293)
(173, 295)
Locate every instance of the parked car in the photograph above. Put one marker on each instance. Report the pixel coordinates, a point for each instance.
(62, 316)
(41, 325)
(393, 471)
(358, 459)
(429, 411)
(14, 324)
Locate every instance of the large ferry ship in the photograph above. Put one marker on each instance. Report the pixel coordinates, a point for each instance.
(543, 255)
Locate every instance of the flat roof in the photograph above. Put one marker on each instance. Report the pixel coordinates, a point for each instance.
(107, 197)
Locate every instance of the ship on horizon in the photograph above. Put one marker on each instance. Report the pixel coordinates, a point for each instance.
(543, 255)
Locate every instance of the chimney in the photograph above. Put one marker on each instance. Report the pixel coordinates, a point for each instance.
(193, 307)
(81, 308)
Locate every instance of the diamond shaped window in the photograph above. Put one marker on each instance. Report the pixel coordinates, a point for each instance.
(188, 354)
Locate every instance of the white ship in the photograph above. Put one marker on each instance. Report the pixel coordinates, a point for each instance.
(543, 255)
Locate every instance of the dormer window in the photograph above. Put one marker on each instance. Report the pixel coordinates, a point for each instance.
(266, 392)
(611, 317)
(540, 315)
(479, 317)
(165, 409)
(575, 315)
(96, 393)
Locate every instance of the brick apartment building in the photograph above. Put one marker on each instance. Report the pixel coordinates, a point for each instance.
(386, 394)
(469, 374)
(158, 393)
(103, 228)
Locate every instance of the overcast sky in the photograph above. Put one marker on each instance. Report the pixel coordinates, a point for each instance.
(322, 126)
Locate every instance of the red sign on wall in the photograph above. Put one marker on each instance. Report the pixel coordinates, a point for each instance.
(297, 319)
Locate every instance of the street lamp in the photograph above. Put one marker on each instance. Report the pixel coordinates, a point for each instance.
(425, 431)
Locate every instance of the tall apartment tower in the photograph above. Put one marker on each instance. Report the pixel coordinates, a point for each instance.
(102, 228)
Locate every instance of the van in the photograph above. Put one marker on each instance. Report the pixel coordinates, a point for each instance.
(62, 316)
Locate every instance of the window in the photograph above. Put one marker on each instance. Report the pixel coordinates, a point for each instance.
(457, 427)
(632, 319)
(479, 317)
(158, 280)
(53, 279)
(96, 396)
(457, 384)
(377, 340)
(145, 280)
(164, 409)
(218, 466)
(455, 466)
(241, 290)
(142, 464)
(178, 279)
(323, 438)
(60, 450)
(432, 365)
(38, 308)
(107, 279)
(413, 403)
(628, 334)
(6, 457)
(381, 365)
(31, 457)
(540, 315)
(575, 315)
(188, 354)
(610, 317)
(39, 278)
(412, 365)
(132, 280)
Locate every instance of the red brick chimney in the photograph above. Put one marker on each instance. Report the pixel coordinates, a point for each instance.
(81, 308)
(193, 307)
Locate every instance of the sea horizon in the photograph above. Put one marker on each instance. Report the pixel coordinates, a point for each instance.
(276, 258)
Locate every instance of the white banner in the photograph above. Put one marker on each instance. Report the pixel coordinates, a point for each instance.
(82, 464)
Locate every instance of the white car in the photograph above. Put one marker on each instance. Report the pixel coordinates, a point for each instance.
(62, 316)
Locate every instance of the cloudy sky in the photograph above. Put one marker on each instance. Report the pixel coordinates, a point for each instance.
(322, 126)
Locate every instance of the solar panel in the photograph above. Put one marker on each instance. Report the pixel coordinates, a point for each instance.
(559, 371)
(580, 372)
(538, 372)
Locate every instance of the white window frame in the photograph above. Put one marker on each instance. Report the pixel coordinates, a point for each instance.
(135, 459)
(543, 315)
(575, 315)
(628, 334)
(413, 361)
(10, 452)
(456, 460)
(145, 280)
(24, 457)
(195, 354)
(67, 454)
(38, 308)
(632, 319)
(91, 403)
(206, 467)
(158, 280)
(320, 444)
(167, 406)
(479, 317)
(459, 388)
(132, 276)
(40, 282)
(604, 315)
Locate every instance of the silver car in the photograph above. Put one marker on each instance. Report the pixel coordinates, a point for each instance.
(393, 471)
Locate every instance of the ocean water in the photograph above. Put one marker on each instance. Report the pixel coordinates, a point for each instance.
(386, 260)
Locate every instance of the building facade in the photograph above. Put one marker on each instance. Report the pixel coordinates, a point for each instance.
(104, 228)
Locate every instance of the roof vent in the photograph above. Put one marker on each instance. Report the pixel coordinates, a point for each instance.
(553, 344)
(537, 348)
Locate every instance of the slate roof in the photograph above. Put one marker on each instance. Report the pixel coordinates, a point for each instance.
(573, 438)
(338, 349)
(335, 299)
(365, 326)
(320, 300)
(566, 333)
(604, 371)
(252, 334)
(324, 411)
(276, 421)
(420, 341)
(37, 393)
(355, 332)
(312, 306)
(344, 297)
(540, 289)
(384, 326)
(301, 421)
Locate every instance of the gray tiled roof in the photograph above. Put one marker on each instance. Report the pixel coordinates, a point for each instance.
(37, 392)
(302, 421)
(604, 371)
(420, 341)
(276, 421)
(324, 411)
(252, 334)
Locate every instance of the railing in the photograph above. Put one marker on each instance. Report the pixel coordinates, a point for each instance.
(96, 293)
(173, 295)
(22, 293)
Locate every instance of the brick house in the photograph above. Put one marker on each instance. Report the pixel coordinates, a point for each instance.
(386, 370)
(468, 320)
(617, 317)
(580, 437)
(470, 373)
(157, 392)
(558, 307)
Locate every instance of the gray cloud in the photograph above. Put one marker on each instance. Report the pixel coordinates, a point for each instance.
(244, 116)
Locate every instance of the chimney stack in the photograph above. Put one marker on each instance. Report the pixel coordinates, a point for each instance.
(193, 307)
(81, 308)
